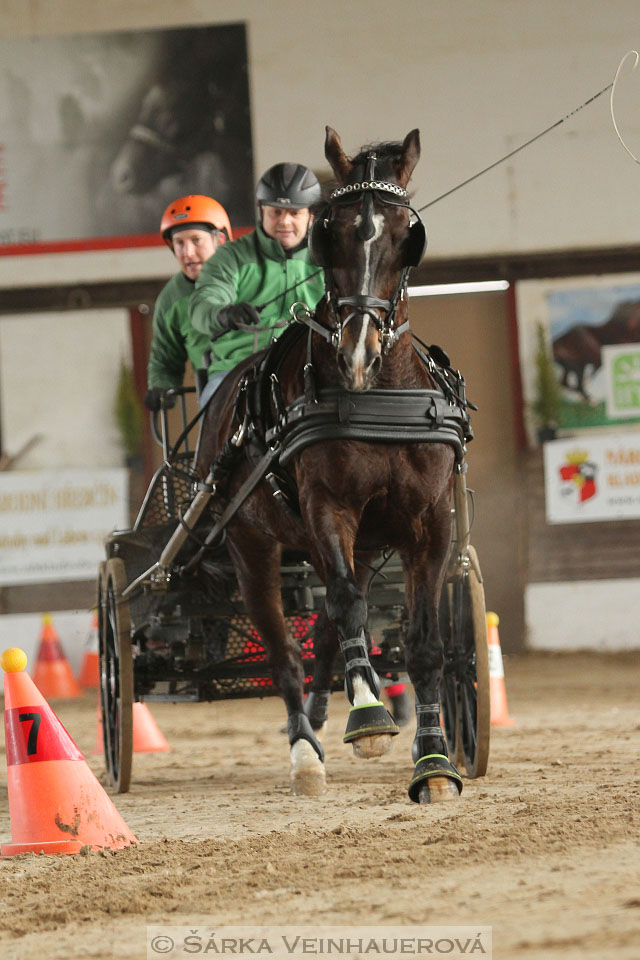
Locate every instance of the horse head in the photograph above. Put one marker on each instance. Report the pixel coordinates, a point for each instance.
(169, 131)
(366, 244)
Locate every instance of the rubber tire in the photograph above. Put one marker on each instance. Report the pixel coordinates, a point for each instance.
(476, 755)
(469, 746)
(116, 675)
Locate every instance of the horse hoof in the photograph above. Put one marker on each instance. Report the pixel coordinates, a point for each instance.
(438, 790)
(307, 771)
(308, 783)
(375, 745)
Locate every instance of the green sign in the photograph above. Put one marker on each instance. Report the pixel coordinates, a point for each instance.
(622, 369)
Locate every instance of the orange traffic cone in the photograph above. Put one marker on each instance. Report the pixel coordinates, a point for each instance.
(90, 672)
(147, 735)
(53, 675)
(498, 692)
(56, 805)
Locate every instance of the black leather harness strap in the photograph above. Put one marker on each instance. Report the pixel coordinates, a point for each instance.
(382, 416)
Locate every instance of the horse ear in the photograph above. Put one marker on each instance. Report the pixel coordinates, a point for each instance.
(340, 163)
(409, 158)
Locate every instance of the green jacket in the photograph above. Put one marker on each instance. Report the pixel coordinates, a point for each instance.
(174, 339)
(254, 269)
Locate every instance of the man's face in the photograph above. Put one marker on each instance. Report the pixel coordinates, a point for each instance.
(192, 248)
(286, 225)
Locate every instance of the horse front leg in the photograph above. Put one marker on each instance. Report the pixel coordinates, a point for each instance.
(435, 779)
(325, 648)
(370, 726)
(257, 564)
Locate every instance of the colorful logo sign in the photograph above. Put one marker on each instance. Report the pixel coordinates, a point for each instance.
(578, 475)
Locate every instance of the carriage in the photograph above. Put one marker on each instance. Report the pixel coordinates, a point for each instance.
(175, 625)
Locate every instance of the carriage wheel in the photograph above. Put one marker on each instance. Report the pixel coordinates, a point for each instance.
(465, 684)
(116, 674)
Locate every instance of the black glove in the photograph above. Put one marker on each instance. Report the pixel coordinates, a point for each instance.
(154, 396)
(237, 313)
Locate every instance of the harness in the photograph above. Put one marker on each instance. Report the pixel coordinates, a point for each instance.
(272, 433)
(437, 415)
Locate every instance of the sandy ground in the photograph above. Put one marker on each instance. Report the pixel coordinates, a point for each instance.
(544, 849)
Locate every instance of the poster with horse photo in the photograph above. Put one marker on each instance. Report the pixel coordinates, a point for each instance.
(589, 331)
(101, 132)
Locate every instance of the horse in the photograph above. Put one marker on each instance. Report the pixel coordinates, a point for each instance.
(580, 347)
(350, 362)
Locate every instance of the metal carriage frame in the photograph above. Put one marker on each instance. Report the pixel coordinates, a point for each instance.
(163, 640)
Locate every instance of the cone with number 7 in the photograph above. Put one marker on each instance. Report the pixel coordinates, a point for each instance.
(56, 804)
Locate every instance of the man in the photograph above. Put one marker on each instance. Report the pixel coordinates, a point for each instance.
(193, 228)
(242, 296)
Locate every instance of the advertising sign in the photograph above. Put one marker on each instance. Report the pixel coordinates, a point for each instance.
(53, 524)
(592, 478)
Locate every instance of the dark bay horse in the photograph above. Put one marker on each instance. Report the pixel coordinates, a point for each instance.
(355, 496)
(581, 346)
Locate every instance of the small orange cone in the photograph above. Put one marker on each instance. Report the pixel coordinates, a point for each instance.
(499, 709)
(147, 735)
(90, 672)
(53, 675)
(56, 804)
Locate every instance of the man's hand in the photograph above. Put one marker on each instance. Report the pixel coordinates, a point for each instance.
(231, 317)
(153, 399)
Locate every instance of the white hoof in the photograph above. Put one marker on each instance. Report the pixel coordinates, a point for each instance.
(307, 771)
(366, 748)
(438, 790)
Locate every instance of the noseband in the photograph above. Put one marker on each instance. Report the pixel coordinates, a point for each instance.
(381, 312)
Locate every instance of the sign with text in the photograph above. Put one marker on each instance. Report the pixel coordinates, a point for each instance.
(53, 523)
(592, 478)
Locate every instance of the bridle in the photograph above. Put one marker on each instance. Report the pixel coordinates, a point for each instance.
(381, 312)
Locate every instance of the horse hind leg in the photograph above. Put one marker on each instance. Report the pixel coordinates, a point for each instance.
(325, 648)
(259, 579)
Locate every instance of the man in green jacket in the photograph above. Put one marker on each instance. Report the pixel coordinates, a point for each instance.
(243, 294)
(193, 228)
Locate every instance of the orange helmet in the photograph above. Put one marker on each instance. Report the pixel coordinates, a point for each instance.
(195, 210)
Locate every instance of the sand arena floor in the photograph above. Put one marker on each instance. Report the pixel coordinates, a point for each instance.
(544, 849)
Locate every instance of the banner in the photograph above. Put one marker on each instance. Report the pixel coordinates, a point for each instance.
(53, 524)
(101, 132)
(592, 478)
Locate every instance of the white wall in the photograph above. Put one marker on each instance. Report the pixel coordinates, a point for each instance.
(583, 615)
(58, 374)
(478, 79)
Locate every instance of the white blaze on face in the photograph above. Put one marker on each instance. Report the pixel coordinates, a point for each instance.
(359, 353)
(378, 222)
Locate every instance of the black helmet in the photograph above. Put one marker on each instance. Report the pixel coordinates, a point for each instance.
(288, 185)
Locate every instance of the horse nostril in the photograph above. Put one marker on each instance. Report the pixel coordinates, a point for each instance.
(343, 363)
(374, 366)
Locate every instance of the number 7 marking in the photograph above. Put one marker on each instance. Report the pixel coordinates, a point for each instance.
(32, 742)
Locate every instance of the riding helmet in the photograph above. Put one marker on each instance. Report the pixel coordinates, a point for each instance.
(288, 185)
(197, 212)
